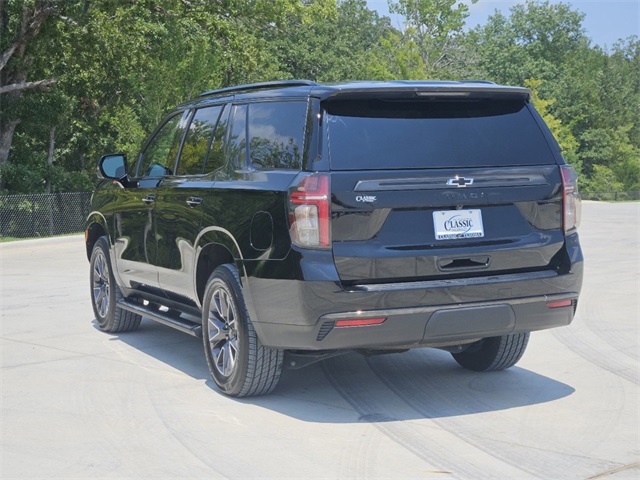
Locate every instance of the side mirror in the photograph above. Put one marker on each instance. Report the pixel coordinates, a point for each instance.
(113, 166)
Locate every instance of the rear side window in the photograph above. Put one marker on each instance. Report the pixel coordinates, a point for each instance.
(276, 134)
(159, 157)
(388, 134)
(196, 144)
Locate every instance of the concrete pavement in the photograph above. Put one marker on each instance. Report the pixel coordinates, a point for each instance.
(78, 403)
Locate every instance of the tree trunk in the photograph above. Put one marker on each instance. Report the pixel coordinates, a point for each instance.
(13, 76)
(52, 146)
(6, 136)
(7, 127)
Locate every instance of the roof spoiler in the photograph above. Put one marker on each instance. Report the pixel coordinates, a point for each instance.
(435, 92)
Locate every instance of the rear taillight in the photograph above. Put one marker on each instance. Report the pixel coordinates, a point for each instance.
(309, 211)
(571, 203)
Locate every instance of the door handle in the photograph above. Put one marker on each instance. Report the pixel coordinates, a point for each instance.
(194, 201)
(149, 199)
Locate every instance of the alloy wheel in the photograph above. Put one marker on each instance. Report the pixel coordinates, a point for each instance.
(223, 332)
(101, 284)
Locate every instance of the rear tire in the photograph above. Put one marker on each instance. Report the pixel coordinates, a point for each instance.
(493, 353)
(239, 364)
(105, 293)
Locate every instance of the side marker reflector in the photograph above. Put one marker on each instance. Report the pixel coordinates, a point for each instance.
(360, 322)
(560, 303)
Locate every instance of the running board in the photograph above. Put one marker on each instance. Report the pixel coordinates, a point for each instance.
(179, 323)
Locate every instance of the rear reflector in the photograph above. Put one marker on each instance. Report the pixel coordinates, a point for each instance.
(560, 303)
(360, 322)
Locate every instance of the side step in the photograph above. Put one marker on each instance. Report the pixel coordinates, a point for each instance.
(165, 318)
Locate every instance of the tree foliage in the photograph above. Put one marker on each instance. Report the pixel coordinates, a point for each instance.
(590, 97)
(433, 29)
(80, 78)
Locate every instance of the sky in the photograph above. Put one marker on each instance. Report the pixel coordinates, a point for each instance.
(605, 21)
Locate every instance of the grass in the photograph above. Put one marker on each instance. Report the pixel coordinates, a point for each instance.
(15, 239)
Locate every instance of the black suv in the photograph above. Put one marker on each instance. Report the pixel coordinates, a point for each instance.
(286, 222)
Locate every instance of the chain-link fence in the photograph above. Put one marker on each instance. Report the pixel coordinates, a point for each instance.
(43, 215)
(611, 196)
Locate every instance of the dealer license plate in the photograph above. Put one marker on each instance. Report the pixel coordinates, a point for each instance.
(454, 224)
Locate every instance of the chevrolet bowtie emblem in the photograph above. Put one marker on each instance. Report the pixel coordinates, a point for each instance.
(460, 181)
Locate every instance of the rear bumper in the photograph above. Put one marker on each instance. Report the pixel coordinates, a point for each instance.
(422, 326)
(300, 313)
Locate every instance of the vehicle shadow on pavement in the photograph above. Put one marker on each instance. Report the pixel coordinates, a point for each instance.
(176, 349)
(422, 383)
(351, 388)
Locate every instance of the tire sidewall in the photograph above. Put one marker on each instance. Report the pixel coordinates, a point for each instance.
(224, 278)
(494, 353)
(101, 246)
(480, 357)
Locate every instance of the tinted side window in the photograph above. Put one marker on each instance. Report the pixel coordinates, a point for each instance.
(216, 158)
(159, 158)
(196, 144)
(237, 149)
(276, 132)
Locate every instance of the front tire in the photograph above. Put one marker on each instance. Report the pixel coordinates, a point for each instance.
(105, 293)
(239, 364)
(494, 353)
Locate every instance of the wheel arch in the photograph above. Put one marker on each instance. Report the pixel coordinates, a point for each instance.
(96, 227)
(215, 246)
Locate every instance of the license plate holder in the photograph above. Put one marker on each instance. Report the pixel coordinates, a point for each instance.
(458, 224)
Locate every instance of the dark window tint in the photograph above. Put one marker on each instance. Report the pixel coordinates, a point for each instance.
(380, 134)
(215, 159)
(160, 155)
(196, 144)
(237, 149)
(276, 132)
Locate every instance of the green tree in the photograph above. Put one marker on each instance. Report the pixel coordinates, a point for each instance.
(327, 41)
(433, 29)
(80, 78)
(20, 26)
(589, 97)
(120, 65)
(561, 132)
(534, 41)
(395, 58)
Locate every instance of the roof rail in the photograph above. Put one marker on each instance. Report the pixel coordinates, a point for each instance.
(488, 82)
(261, 86)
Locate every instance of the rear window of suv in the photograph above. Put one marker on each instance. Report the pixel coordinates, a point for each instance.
(401, 134)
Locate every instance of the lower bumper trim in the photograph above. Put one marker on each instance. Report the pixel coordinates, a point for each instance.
(433, 308)
(422, 326)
